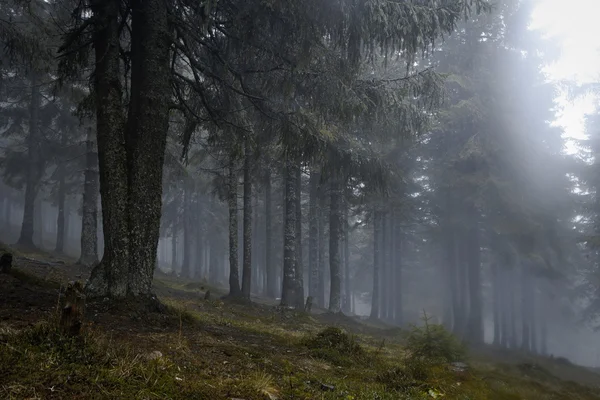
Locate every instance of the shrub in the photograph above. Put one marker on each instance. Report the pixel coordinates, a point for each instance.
(433, 343)
(335, 345)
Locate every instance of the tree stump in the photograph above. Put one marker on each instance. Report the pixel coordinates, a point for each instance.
(6, 263)
(308, 305)
(207, 295)
(72, 309)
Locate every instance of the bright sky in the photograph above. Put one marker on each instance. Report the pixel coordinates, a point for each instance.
(574, 25)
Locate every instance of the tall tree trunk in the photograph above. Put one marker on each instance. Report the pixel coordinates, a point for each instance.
(60, 219)
(234, 274)
(34, 165)
(384, 268)
(347, 289)
(321, 215)
(525, 298)
(513, 283)
(398, 248)
(496, 282)
(89, 219)
(186, 266)
(335, 218)
(247, 239)
(131, 161)
(377, 222)
(299, 269)
(462, 268)
(109, 277)
(289, 236)
(474, 270)
(270, 265)
(505, 298)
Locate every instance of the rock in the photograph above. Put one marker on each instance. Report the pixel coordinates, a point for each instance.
(154, 355)
(326, 387)
(459, 366)
(6, 263)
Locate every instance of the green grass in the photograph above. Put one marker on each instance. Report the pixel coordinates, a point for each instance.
(218, 349)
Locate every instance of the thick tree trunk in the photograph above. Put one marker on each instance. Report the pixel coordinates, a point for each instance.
(270, 265)
(334, 246)
(247, 240)
(89, 219)
(299, 269)
(109, 278)
(377, 222)
(289, 236)
(234, 274)
(131, 164)
(34, 165)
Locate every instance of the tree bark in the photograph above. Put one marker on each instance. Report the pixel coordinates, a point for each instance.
(496, 282)
(334, 246)
(322, 214)
(270, 265)
(346, 247)
(131, 156)
(525, 287)
(60, 219)
(34, 166)
(299, 268)
(289, 236)
(234, 274)
(89, 219)
(398, 248)
(247, 218)
(377, 221)
(313, 235)
(475, 296)
(186, 266)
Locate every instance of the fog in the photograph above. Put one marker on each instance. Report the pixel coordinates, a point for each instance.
(398, 183)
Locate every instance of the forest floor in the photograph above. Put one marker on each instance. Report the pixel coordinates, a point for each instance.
(194, 348)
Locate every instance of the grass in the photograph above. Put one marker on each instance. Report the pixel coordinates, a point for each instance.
(217, 349)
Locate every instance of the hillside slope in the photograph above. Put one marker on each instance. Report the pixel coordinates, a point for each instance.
(192, 348)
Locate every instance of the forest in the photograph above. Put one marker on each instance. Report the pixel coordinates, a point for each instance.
(385, 160)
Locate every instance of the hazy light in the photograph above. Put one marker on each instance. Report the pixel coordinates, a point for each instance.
(574, 26)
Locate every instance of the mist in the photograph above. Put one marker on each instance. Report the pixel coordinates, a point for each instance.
(388, 179)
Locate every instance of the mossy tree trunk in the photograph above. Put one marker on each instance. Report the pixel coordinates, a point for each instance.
(131, 151)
